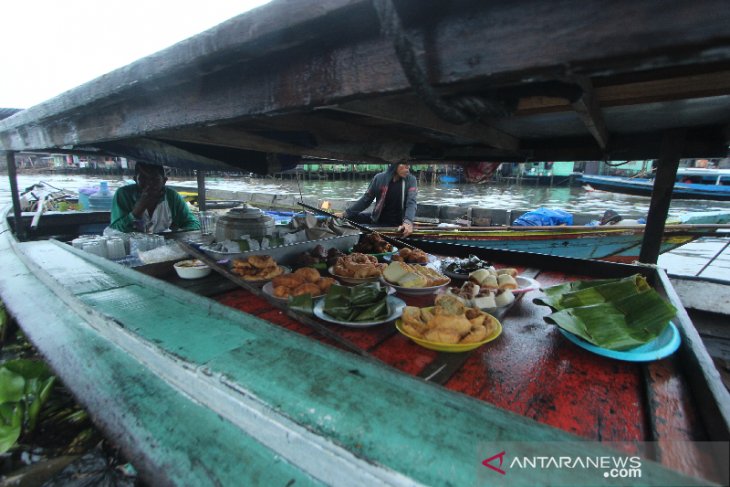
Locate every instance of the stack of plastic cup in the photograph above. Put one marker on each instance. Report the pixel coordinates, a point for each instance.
(115, 248)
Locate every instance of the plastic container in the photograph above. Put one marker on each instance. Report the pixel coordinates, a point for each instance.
(84, 194)
(102, 199)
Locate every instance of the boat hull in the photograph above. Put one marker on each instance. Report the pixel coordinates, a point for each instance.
(644, 187)
(614, 246)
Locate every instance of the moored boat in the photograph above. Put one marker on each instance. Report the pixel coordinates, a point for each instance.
(614, 243)
(684, 188)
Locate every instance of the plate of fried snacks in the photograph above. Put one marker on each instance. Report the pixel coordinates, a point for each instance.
(357, 268)
(358, 306)
(306, 280)
(374, 245)
(257, 269)
(412, 279)
(410, 256)
(449, 326)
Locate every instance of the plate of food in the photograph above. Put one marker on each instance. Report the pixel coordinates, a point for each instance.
(357, 268)
(410, 256)
(474, 296)
(461, 268)
(452, 328)
(414, 280)
(305, 280)
(373, 244)
(662, 346)
(395, 305)
(257, 269)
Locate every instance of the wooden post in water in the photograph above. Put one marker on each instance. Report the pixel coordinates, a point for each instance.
(201, 190)
(14, 194)
(661, 195)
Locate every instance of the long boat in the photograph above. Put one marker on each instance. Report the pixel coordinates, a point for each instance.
(619, 243)
(202, 383)
(614, 243)
(719, 191)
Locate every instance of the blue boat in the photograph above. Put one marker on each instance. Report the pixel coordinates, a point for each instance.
(698, 184)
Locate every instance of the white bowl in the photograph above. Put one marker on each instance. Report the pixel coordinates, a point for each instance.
(191, 269)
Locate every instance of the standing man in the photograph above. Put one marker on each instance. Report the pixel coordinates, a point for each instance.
(394, 192)
(149, 206)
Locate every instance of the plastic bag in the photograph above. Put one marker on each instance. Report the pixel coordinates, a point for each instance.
(544, 217)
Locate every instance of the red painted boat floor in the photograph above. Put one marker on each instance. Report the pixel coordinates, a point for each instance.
(535, 372)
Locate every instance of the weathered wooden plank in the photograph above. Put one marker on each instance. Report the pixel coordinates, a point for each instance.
(589, 111)
(701, 85)
(414, 113)
(493, 42)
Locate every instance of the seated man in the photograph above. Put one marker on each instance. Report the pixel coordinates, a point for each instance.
(149, 206)
(394, 192)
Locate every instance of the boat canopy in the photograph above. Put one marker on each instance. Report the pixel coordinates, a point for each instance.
(378, 81)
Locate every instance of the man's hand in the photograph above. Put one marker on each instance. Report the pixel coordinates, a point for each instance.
(406, 229)
(147, 199)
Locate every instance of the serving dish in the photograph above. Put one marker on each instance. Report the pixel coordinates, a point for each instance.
(396, 306)
(451, 347)
(191, 269)
(351, 280)
(662, 346)
(268, 289)
(414, 291)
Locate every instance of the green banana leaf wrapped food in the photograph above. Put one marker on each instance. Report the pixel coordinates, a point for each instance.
(617, 314)
(364, 302)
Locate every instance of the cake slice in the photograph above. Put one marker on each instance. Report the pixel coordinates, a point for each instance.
(396, 271)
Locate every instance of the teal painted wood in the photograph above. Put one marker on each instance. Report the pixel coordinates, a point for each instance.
(343, 419)
(581, 248)
(169, 438)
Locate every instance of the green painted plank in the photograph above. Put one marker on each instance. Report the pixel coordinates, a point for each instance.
(187, 331)
(169, 438)
(72, 271)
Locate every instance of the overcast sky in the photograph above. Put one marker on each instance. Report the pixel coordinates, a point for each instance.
(50, 46)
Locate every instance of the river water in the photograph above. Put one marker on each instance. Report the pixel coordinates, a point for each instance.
(686, 260)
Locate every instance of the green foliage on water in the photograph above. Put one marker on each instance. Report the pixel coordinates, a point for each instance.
(25, 386)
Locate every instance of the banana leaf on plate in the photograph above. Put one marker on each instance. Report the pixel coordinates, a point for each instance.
(618, 314)
(364, 302)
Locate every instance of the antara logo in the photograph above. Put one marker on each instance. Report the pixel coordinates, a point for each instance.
(487, 463)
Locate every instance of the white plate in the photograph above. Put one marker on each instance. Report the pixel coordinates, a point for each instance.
(414, 291)
(269, 290)
(525, 284)
(396, 310)
(352, 280)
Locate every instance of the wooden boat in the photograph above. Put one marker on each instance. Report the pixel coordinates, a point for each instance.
(719, 190)
(614, 243)
(238, 389)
